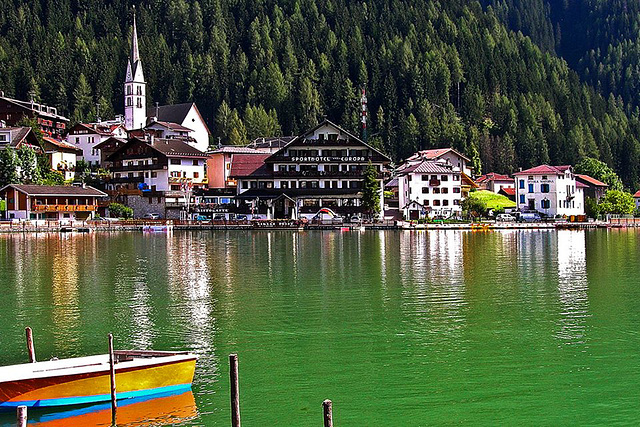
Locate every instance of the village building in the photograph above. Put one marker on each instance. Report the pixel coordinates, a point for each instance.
(166, 121)
(508, 192)
(88, 136)
(12, 111)
(156, 175)
(219, 164)
(449, 156)
(550, 190)
(17, 137)
(270, 144)
(42, 202)
(593, 188)
(636, 198)
(62, 156)
(494, 182)
(430, 189)
(107, 148)
(320, 169)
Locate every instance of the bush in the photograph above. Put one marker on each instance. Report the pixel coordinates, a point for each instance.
(617, 203)
(117, 210)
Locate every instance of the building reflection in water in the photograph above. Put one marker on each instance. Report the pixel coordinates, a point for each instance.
(573, 286)
(433, 276)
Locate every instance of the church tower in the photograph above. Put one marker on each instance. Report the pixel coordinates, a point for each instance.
(135, 99)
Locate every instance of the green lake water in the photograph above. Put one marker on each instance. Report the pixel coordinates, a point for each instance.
(397, 328)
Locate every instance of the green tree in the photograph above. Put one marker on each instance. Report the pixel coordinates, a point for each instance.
(117, 210)
(617, 202)
(371, 191)
(600, 171)
(474, 206)
(29, 169)
(8, 167)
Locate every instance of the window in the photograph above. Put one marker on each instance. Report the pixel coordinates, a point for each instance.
(436, 190)
(544, 188)
(456, 190)
(281, 168)
(129, 102)
(456, 202)
(530, 188)
(175, 161)
(544, 177)
(425, 190)
(196, 174)
(445, 191)
(522, 184)
(284, 184)
(436, 203)
(445, 203)
(456, 177)
(139, 103)
(154, 174)
(245, 185)
(425, 177)
(530, 177)
(425, 202)
(444, 178)
(522, 199)
(545, 204)
(175, 188)
(196, 163)
(129, 90)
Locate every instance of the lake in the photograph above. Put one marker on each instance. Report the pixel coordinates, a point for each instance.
(398, 328)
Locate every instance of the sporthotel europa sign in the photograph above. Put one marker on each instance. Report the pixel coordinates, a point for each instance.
(320, 159)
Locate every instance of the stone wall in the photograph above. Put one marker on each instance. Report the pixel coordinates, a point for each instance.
(142, 207)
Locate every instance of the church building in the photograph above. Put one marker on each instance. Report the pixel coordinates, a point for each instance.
(138, 117)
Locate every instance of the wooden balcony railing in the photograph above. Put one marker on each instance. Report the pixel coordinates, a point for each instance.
(64, 208)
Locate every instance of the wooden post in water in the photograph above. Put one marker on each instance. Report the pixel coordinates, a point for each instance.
(22, 416)
(327, 411)
(112, 375)
(235, 392)
(30, 347)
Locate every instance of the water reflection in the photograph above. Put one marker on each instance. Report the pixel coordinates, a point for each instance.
(163, 410)
(573, 286)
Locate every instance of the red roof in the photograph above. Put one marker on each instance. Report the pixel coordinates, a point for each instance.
(249, 165)
(589, 180)
(492, 176)
(544, 169)
(61, 144)
(426, 167)
(435, 154)
(508, 191)
(581, 185)
(637, 195)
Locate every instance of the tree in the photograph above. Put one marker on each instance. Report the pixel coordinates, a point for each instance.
(83, 102)
(371, 190)
(8, 167)
(617, 203)
(83, 170)
(29, 168)
(600, 171)
(474, 206)
(117, 210)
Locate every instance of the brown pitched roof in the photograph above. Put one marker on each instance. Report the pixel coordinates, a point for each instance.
(544, 169)
(20, 135)
(492, 176)
(61, 144)
(436, 153)
(591, 181)
(170, 125)
(426, 167)
(56, 190)
(175, 148)
(250, 165)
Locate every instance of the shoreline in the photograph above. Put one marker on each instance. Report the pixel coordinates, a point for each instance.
(168, 226)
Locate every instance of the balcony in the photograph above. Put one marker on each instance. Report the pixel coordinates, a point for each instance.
(132, 168)
(434, 182)
(126, 180)
(321, 174)
(64, 208)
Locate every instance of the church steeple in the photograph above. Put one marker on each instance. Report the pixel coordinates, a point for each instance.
(135, 100)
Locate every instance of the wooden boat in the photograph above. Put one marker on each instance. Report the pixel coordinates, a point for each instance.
(84, 380)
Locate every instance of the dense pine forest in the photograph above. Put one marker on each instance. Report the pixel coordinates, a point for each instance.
(436, 73)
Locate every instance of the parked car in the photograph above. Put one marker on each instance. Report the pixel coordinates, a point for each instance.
(355, 218)
(152, 216)
(504, 217)
(529, 217)
(219, 217)
(241, 217)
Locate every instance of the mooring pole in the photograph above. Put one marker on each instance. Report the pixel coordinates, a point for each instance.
(112, 375)
(22, 416)
(327, 411)
(30, 348)
(235, 392)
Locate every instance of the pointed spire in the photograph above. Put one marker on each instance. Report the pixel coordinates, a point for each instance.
(135, 54)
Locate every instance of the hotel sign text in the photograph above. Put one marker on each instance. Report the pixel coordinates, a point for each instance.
(320, 159)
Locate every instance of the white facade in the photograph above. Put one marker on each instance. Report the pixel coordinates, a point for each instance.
(448, 155)
(168, 177)
(199, 131)
(88, 136)
(436, 186)
(549, 190)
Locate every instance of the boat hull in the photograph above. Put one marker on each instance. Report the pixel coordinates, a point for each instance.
(94, 387)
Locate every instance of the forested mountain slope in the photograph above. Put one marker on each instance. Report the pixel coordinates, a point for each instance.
(436, 73)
